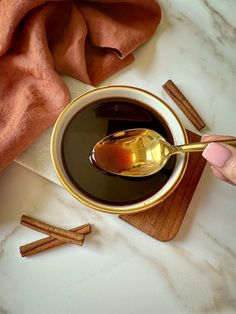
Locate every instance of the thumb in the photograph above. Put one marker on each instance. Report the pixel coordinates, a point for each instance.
(222, 157)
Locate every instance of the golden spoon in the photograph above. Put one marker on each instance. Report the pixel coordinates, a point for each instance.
(139, 152)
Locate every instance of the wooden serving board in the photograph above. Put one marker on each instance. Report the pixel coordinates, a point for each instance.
(163, 221)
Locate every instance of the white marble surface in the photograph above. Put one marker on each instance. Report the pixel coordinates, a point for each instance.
(119, 269)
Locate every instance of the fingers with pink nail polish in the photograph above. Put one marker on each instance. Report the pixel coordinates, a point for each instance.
(217, 154)
(223, 158)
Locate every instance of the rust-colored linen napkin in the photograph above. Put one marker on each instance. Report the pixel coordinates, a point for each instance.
(39, 39)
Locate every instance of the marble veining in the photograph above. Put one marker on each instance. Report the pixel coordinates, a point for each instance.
(4, 240)
(221, 24)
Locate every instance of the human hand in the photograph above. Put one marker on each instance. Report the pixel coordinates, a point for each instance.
(222, 157)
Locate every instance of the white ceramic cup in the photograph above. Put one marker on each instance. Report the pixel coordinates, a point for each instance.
(151, 101)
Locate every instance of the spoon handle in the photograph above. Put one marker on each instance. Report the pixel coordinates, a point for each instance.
(199, 147)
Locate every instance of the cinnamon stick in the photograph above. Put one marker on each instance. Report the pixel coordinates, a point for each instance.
(50, 242)
(57, 233)
(183, 103)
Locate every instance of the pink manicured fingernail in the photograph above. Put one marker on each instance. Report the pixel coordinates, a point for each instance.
(217, 154)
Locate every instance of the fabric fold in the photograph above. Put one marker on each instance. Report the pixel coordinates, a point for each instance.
(39, 40)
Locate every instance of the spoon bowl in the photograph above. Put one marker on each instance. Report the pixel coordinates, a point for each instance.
(132, 153)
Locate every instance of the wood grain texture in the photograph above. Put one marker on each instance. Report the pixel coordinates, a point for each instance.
(163, 221)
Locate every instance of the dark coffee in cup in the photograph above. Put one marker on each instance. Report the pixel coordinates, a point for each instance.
(90, 125)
